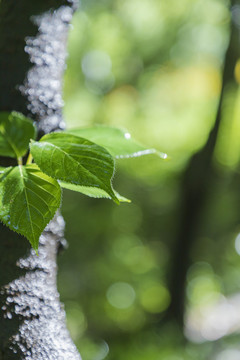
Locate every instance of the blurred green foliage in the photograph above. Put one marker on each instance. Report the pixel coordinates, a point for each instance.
(153, 67)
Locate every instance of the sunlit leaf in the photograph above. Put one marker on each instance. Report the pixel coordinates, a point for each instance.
(92, 191)
(117, 141)
(28, 200)
(15, 133)
(75, 160)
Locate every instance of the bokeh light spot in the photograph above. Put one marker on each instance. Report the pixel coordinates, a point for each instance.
(237, 244)
(140, 259)
(229, 354)
(94, 350)
(76, 320)
(96, 65)
(121, 295)
(155, 298)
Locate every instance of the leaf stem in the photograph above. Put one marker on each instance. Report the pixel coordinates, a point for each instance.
(19, 160)
(29, 159)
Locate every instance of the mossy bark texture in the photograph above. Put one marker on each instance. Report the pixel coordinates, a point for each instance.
(33, 37)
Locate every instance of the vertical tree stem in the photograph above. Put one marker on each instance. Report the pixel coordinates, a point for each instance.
(195, 184)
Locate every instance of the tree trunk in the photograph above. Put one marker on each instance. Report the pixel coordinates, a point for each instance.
(32, 60)
(198, 177)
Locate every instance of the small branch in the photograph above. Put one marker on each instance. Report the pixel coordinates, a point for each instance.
(29, 159)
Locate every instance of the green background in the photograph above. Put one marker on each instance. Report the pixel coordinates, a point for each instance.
(154, 68)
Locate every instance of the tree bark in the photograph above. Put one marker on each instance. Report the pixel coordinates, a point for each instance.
(33, 37)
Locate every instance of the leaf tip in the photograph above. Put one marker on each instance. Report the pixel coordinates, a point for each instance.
(34, 243)
(163, 156)
(115, 199)
(36, 250)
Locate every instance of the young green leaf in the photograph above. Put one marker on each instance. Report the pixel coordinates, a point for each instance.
(92, 191)
(117, 141)
(28, 200)
(15, 133)
(75, 160)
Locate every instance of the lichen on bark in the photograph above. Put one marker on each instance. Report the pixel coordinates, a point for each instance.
(33, 38)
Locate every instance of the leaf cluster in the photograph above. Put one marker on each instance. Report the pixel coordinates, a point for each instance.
(81, 160)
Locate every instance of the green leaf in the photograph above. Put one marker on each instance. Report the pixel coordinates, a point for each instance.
(75, 160)
(92, 191)
(28, 200)
(15, 133)
(117, 141)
